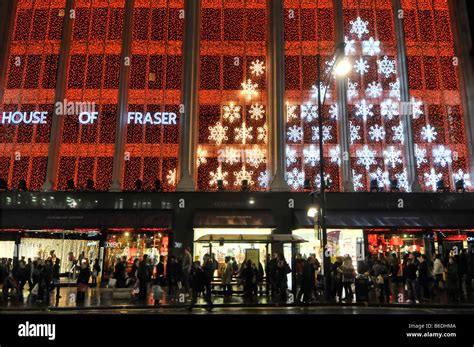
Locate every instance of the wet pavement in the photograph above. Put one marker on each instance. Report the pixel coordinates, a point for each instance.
(105, 300)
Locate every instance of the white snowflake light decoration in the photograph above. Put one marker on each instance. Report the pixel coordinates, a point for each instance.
(325, 91)
(460, 175)
(290, 156)
(352, 89)
(432, 178)
(311, 155)
(218, 176)
(326, 133)
(371, 47)
(242, 175)
(398, 133)
(402, 179)
(361, 66)
(377, 133)
(356, 181)
(335, 155)
(295, 178)
(262, 133)
(334, 112)
(381, 176)
(420, 155)
(389, 109)
(354, 130)
(386, 66)
(364, 110)
(230, 156)
(392, 157)
(359, 27)
(428, 133)
(255, 157)
(416, 108)
(218, 133)
(256, 112)
(231, 112)
(263, 179)
(257, 68)
(290, 112)
(350, 46)
(366, 157)
(395, 90)
(249, 88)
(295, 133)
(171, 177)
(243, 133)
(309, 112)
(201, 156)
(374, 90)
(442, 156)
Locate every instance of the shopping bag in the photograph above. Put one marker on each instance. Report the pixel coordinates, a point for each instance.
(34, 291)
(112, 282)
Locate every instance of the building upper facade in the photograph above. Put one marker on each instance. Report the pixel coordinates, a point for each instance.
(95, 90)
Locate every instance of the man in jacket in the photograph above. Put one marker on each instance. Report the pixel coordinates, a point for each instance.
(208, 268)
(144, 276)
(411, 279)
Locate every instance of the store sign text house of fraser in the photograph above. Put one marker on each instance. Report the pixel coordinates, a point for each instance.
(87, 118)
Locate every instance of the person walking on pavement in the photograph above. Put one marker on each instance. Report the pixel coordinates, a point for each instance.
(424, 278)
(308, 281)
(348, 277)
(187, 263)
(208, 268)
(197, 283)
(282, 270)
(411, 279)
(56, 277)
(143, 277)
(83, 281)
(226, 277)
(452, 280)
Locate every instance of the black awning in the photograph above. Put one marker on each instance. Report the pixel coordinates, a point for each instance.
(69, 219)
(234, 219)
(390, 219)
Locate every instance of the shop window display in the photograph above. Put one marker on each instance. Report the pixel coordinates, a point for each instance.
(134, 245)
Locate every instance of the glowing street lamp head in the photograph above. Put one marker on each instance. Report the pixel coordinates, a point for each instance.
(312, 212)
(343, 67)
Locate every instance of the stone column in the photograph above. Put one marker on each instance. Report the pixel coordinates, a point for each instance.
(121, 127)
(463, 44)
(406, 109)
(190, 95)
(7, 16)
(276, 95)
(61, 84)
(343, 123)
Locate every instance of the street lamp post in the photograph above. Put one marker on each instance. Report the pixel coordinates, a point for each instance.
(341, 67)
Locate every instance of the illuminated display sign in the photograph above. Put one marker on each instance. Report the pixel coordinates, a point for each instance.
(165, 118)
(85, 118)
(35, 117)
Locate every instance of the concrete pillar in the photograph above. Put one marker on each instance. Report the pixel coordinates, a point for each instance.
(7, 16)
(343, 123)
(61, 84)
(463, 46)
(405, 113)
(276, 95)
(190, 95)
(121, 127)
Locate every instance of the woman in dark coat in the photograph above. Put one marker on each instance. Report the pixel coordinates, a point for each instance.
(83, 281)
(282, 270)
(249, 275)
